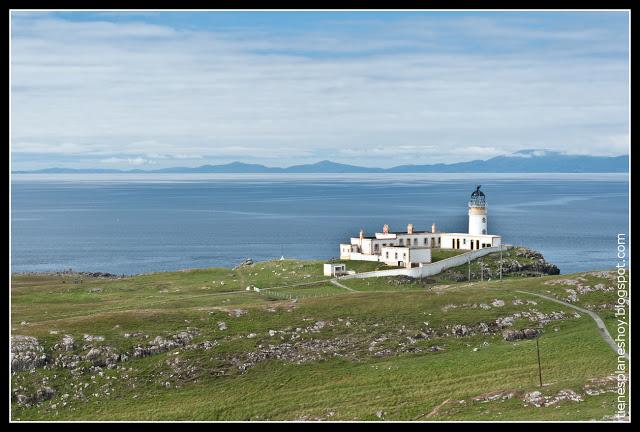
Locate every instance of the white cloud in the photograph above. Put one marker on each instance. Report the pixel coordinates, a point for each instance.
(130, 161)
(108, 88)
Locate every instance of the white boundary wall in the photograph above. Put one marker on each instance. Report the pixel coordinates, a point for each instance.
(432, 268)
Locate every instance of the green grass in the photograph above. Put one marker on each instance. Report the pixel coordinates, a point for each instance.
(355, 385)
(438, 254)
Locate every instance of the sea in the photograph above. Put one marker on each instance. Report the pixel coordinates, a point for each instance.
(140, 223)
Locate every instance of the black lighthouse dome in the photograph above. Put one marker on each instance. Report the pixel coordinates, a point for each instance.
(477, 198)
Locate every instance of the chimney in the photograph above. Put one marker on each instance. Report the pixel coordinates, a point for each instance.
(385, 229)
(433, 228)
(410, 229)
(361, 234)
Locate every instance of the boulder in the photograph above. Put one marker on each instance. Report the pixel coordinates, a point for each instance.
(26, 353)
(93, 354)
(43, 394)
(512, 335)
(67, 343)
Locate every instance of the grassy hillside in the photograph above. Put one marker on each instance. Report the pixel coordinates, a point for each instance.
(197, 345)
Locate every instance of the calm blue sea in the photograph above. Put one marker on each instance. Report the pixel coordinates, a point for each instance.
(142, 223)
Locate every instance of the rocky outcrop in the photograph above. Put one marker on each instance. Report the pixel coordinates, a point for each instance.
(512, 335)
(517, 262)
(537, 399)
(160, 344)
(26, 353)
(66, 344)
(460, 330)
(41, 395)
(245, 263)
(538, 267)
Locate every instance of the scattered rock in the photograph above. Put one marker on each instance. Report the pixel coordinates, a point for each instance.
(319, 325)
(237, 312)
(537, 399)
(135, 335)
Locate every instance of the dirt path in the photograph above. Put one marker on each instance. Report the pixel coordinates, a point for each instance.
(434, 411)
(601, 327)
(338, 284)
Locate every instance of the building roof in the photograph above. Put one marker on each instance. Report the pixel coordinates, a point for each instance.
(471, 235)
(396, 233)
(477, 192)
(415, 232)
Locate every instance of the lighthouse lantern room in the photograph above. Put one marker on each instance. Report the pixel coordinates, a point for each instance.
(477, 213)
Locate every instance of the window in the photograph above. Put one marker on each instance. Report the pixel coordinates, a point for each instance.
(484, 231)
(425, 240)
(404, 255)
(484, 220)
(386, 255)
(396, 255)
(464, 241)
(401, 241)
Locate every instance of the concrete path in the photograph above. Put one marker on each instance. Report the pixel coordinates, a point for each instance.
(601, 327)
(338, 284)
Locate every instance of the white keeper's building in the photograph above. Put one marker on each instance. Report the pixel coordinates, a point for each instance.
(412, 248)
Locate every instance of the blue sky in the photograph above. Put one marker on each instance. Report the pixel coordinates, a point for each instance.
(155, 89)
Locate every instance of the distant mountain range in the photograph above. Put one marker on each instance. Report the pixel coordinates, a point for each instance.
(523, 161)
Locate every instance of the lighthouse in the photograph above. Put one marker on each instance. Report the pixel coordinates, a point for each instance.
(477, 213)
(412, 248)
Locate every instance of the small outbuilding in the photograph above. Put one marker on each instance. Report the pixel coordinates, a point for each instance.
(335, 269)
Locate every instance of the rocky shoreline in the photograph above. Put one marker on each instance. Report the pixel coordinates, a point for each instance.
(71, 273)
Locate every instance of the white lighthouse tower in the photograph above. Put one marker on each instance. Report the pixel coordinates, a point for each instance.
(477, 213)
